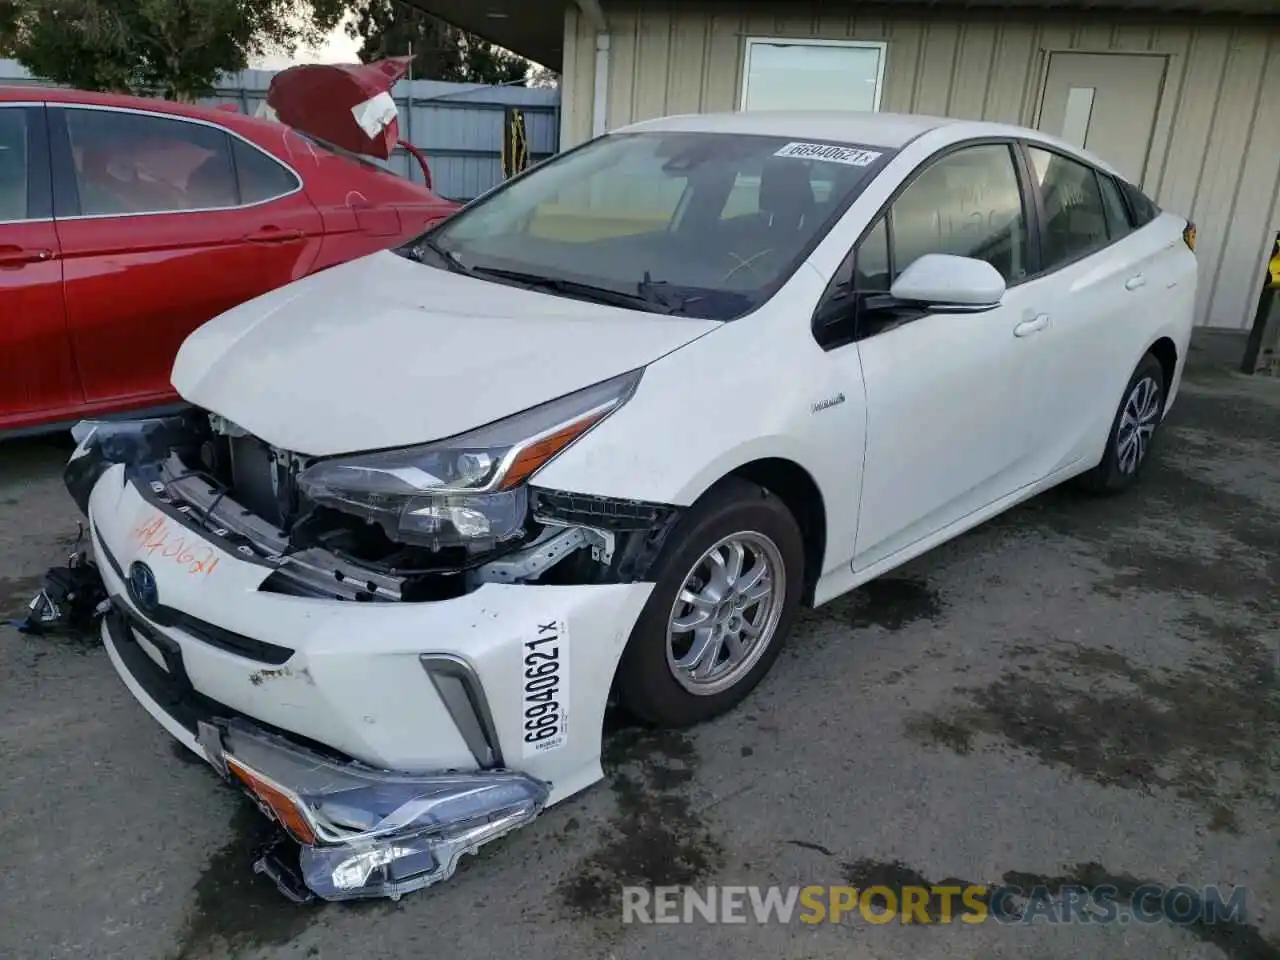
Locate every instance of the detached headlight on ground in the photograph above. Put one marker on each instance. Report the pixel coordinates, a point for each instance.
(367, 832)
(468, 490)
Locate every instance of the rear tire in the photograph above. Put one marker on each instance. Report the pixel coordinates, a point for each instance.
(727, 591)
(1133, 429)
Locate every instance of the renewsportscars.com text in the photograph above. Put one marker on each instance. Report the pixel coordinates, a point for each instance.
(971, 904)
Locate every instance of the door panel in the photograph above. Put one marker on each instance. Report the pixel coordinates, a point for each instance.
(947, 430)
(1111, 279)
(37, 377)
(157, 239)
(1105, 103)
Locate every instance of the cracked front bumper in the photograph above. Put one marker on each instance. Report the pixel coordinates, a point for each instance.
(432, 697)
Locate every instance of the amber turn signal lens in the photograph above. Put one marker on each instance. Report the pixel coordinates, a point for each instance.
(532, 457)
(1189, 236)
(285, 809)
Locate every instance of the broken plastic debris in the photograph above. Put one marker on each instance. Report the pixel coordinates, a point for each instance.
(71, 599)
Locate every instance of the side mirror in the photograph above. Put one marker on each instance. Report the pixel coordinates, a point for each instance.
(943, 283)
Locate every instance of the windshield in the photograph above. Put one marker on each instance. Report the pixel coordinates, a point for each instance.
(697, 224)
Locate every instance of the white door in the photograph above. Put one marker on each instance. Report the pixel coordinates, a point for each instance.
(947, 430)
(1105, 103)
(1111, 275)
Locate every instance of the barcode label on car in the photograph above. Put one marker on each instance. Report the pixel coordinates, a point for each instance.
(544, 701)
(830, 152)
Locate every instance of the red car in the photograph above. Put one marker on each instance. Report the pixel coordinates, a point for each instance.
(126, 223)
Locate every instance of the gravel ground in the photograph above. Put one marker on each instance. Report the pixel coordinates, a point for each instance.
(1079, 691)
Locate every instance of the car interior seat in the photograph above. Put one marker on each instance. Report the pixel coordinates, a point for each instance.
(212, 184)
(786, 195)
(101, 192)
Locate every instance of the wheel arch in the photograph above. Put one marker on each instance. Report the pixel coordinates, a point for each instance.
(799, 492)
(1166, 351)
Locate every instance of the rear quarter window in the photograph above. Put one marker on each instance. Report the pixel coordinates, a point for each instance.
(1142, 209)
(261, 178)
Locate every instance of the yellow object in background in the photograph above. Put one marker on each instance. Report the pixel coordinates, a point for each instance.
(515, 143)
(1274, 266)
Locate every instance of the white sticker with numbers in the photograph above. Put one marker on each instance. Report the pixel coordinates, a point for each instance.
(831, 153)
(544, 686)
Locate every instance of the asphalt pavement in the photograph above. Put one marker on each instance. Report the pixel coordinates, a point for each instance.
(1082, 691)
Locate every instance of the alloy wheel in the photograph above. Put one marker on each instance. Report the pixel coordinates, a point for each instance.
(726, 613)
(1138, 421)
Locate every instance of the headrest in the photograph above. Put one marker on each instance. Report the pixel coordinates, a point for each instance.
(785, 186)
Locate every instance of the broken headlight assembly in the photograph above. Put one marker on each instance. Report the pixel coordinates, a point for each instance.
(469, 490)
(365, 832)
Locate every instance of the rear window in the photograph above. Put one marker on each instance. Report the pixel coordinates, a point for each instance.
(1142, 209)
(367, 162)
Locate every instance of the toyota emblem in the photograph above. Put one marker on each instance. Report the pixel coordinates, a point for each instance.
(142, 586)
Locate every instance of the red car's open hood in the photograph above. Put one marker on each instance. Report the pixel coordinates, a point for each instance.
(348, 105)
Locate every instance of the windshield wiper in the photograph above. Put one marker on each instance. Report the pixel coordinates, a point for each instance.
(447, 257)
(652, 290)
(643, 299)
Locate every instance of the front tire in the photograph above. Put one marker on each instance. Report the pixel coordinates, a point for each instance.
(727, 591)
(1132, 431)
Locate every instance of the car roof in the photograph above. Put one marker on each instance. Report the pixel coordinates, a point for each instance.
(891, 130)
(40, 93)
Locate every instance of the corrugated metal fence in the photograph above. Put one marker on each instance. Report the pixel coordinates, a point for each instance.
(457, 125)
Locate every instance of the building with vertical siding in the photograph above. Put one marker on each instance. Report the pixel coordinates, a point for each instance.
(1181, 95)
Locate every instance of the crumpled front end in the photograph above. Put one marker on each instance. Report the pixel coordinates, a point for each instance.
(365, 832)
(394, 688)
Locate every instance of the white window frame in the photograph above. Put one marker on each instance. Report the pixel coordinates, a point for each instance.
(879, 46)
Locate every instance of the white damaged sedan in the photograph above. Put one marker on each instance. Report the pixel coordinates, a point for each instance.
(599, 437)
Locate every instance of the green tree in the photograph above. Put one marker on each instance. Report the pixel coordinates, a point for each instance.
(8, 26)
(174, 47)
(387, 28)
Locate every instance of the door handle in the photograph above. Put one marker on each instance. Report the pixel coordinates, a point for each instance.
(273, 235)
(1034, 325)
(18, 257)
(1133, 283)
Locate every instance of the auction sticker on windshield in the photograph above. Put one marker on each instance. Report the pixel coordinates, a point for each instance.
(830, 152)
(544, 679)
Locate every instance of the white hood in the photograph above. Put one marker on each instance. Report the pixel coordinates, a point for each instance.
(385, 352)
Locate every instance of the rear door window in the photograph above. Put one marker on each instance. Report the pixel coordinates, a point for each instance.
(1075, 221)
(130, 163)
(13, 164)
